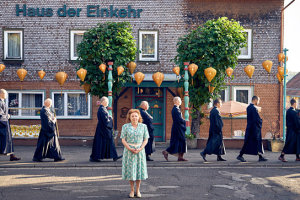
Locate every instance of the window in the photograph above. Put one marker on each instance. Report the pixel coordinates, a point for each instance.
(148, 45)
(13, 44)
(30, 102)
(73, 104)
(75, 38)
(242, 94)
(246, 52)
(224, 96)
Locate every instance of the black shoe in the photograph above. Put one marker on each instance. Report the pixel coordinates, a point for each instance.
(262, 159)
(220, 158)
(117, 158)
(203, 156)
(240, 158)
(59, 160)
(148, 158)
(36, 160)
(93, 160)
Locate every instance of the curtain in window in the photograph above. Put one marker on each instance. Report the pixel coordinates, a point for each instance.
(148, 45)
(244, 51)
(14, 47)
(13, 102)
(59, 104)
(77, 39)
(77, 105)
(31, 101)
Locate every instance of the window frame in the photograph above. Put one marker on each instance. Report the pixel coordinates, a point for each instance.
(156, 40)
(5, 44)
(250, 47)
(250, 92)
(66, 92)
(20, 92)
(71, 36)
(227, 95)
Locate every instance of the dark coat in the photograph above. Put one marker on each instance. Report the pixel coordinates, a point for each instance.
(6, 143)
(47, 144)
(103, 144)
(253, 140)
(177, 143)
(215, 143)
(292, 142)
(148, 120)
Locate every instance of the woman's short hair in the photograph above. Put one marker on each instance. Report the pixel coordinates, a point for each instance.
(133, 111)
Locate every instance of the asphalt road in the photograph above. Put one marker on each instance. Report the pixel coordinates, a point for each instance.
(168, 183)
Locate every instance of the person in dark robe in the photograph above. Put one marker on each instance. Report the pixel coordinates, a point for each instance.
(292, 142)
(148, 120)
(47, 144)
(215, 143)
(253, 140)
(103, 144)
(6, 142)
(177, 144)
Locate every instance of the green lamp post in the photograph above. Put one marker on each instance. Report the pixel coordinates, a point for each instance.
(284, 94)
(109, 108)
(186, 97)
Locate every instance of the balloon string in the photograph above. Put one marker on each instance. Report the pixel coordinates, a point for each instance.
(192, 81)
(85, 97)
(138, 90)
(250, 82)
(131, 79)
(60, 90)
(21, 85)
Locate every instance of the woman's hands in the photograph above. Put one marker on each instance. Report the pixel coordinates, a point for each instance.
(135, 151)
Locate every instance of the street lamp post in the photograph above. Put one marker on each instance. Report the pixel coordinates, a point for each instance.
(284, 94)
(186, 96)
(109, 108)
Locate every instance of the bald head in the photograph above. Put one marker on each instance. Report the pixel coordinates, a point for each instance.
(48, 103)
(3, 94)
(177, 101)
(144, 105)
(104, 101)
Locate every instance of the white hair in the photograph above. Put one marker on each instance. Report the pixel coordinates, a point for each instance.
(3, 91)
(48, 100)
(176, 99)
(103, 99)
(144, 103)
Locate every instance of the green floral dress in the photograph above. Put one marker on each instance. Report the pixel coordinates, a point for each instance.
(134, 166)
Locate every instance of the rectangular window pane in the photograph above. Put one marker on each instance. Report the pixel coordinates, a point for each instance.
(242, 96)
(14, 47)
(77, 39)
(148, 45)
(244, 51)
(222, 93)
(77, 105)
(59, 104)
(31, 101)
(13, 102)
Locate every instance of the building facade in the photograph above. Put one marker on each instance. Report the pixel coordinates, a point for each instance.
(42, 35)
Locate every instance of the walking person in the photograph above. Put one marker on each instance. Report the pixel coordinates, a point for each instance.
(253, 140)
(134, 136)
(47, 144)
(292, 142)
(215, 143)
(177, 144)
(103, 144)
(6, 142)
(148, 120)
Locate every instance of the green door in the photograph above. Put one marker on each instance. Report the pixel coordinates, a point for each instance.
(156, 110)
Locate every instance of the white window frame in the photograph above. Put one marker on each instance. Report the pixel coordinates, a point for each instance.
(155, 32)
(66, 104)
(250, 92)
(249, 56)
(226, 97)
(20, 116)
(72, 33)
(5, 38)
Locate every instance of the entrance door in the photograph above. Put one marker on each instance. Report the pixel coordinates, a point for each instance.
(156, 109)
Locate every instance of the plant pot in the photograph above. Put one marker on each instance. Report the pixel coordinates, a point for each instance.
(275, 145)
(191, 144)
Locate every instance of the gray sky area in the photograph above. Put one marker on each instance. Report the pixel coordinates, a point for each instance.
(292, 34)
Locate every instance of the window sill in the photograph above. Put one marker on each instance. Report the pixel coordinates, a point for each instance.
(13, 61)
(245, 59)
(144, 61)
(73, 61)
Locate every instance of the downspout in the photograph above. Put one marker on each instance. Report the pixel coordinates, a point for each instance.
(281, 48)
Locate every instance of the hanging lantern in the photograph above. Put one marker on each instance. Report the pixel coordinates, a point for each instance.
(131, 66)
(281, 71)
(267, 64)
(21, 74)
(2, 67)
(87, 89)
(176, 70)
(61, 77)
(229, 71)
(281, 57)
(81, 73)
(102, 67)
(139, 77)
(120, 70)
(192, 69)
(210, 73)
(41, 75)
(279, 77)
(211, 89)
(249, 69)
(180, 92)
(287, 58)
(158, 78)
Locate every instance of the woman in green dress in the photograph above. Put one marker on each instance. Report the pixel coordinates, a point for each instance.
(134, 137)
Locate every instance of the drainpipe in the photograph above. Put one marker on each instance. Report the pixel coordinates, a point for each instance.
(281, 48)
